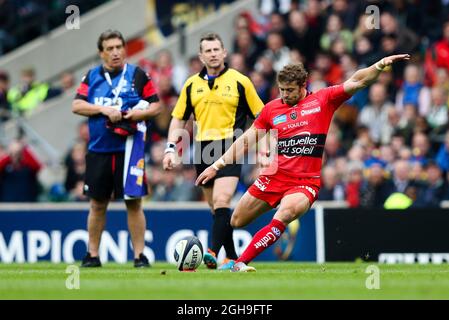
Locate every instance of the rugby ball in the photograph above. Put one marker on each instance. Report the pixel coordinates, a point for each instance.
(188, 254)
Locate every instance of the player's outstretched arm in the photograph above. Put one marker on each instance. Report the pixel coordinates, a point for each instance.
(239, 148)
(364, 77)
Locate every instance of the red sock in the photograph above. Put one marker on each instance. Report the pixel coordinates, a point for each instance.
(264, 238)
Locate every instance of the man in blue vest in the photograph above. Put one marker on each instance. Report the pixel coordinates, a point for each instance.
(118, 98)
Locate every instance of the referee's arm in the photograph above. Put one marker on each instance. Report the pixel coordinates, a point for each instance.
(181, 113)
(255, 104)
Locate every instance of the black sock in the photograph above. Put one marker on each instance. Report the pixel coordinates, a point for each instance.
(218, 230)
(229, 240)
(222, 233)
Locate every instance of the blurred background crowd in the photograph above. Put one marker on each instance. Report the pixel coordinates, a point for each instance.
(24, 20)
(388, 146)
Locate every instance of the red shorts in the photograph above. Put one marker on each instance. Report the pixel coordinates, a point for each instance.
(272, 189)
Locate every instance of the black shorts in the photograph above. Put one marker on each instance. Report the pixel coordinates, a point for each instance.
(207, 152)
(104, 175)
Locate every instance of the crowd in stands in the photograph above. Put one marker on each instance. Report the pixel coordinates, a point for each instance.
(29, 93)
(388, 146)
(24, 20)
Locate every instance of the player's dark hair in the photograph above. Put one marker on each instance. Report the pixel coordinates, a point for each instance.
(293, 73)
(107, 35)
(211, 36)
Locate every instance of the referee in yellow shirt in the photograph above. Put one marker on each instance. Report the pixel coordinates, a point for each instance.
(220, 99)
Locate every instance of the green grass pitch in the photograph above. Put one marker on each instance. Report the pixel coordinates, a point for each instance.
(272, 281)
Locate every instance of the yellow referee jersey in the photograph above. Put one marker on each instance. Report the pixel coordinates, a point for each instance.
(219, 105)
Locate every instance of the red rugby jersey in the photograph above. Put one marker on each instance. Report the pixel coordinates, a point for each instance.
(301, 131)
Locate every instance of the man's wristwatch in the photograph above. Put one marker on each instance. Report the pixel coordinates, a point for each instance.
(170, 148)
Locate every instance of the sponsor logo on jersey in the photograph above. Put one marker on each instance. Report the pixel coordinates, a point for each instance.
(293, 115)
(297, 125)
(107, 102)
(303, 144)
(279, 119)
(311, 191)
(310, 111)
(262, 184)
(310, 104)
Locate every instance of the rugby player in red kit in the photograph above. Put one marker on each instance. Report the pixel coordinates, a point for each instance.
(301, 121)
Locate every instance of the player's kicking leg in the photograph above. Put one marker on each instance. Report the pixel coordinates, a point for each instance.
(292, 207)
(248, 209)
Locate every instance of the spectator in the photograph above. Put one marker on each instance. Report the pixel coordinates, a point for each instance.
(386, 78)
(421, 148)
(417, 173)
(346, 11)
(267, 7)
(316, 21)
(245, 21)
(195, 65)
(442, 158)
(332, 189)
(389, 46)
(401, 175)
(276, 23)
(5, 108)
(376, 189)
(357, 153)
(237, 62)
(167, 99)
(276, 51)
(413, 91)
(335, 31)
(354, 183)
(264, 65)
(375, 115)
(247, 45)
(262, 86)
(18, 174)
(407, 40)
(437, 116)
(298, 35)
(164, 66)
(333, 148)
(76, 169)
(437, 55)
(387, 155)
(332, 71)
(29, 94)
(364, 52)
(435, 188)
(316, 81)
(67, 81)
